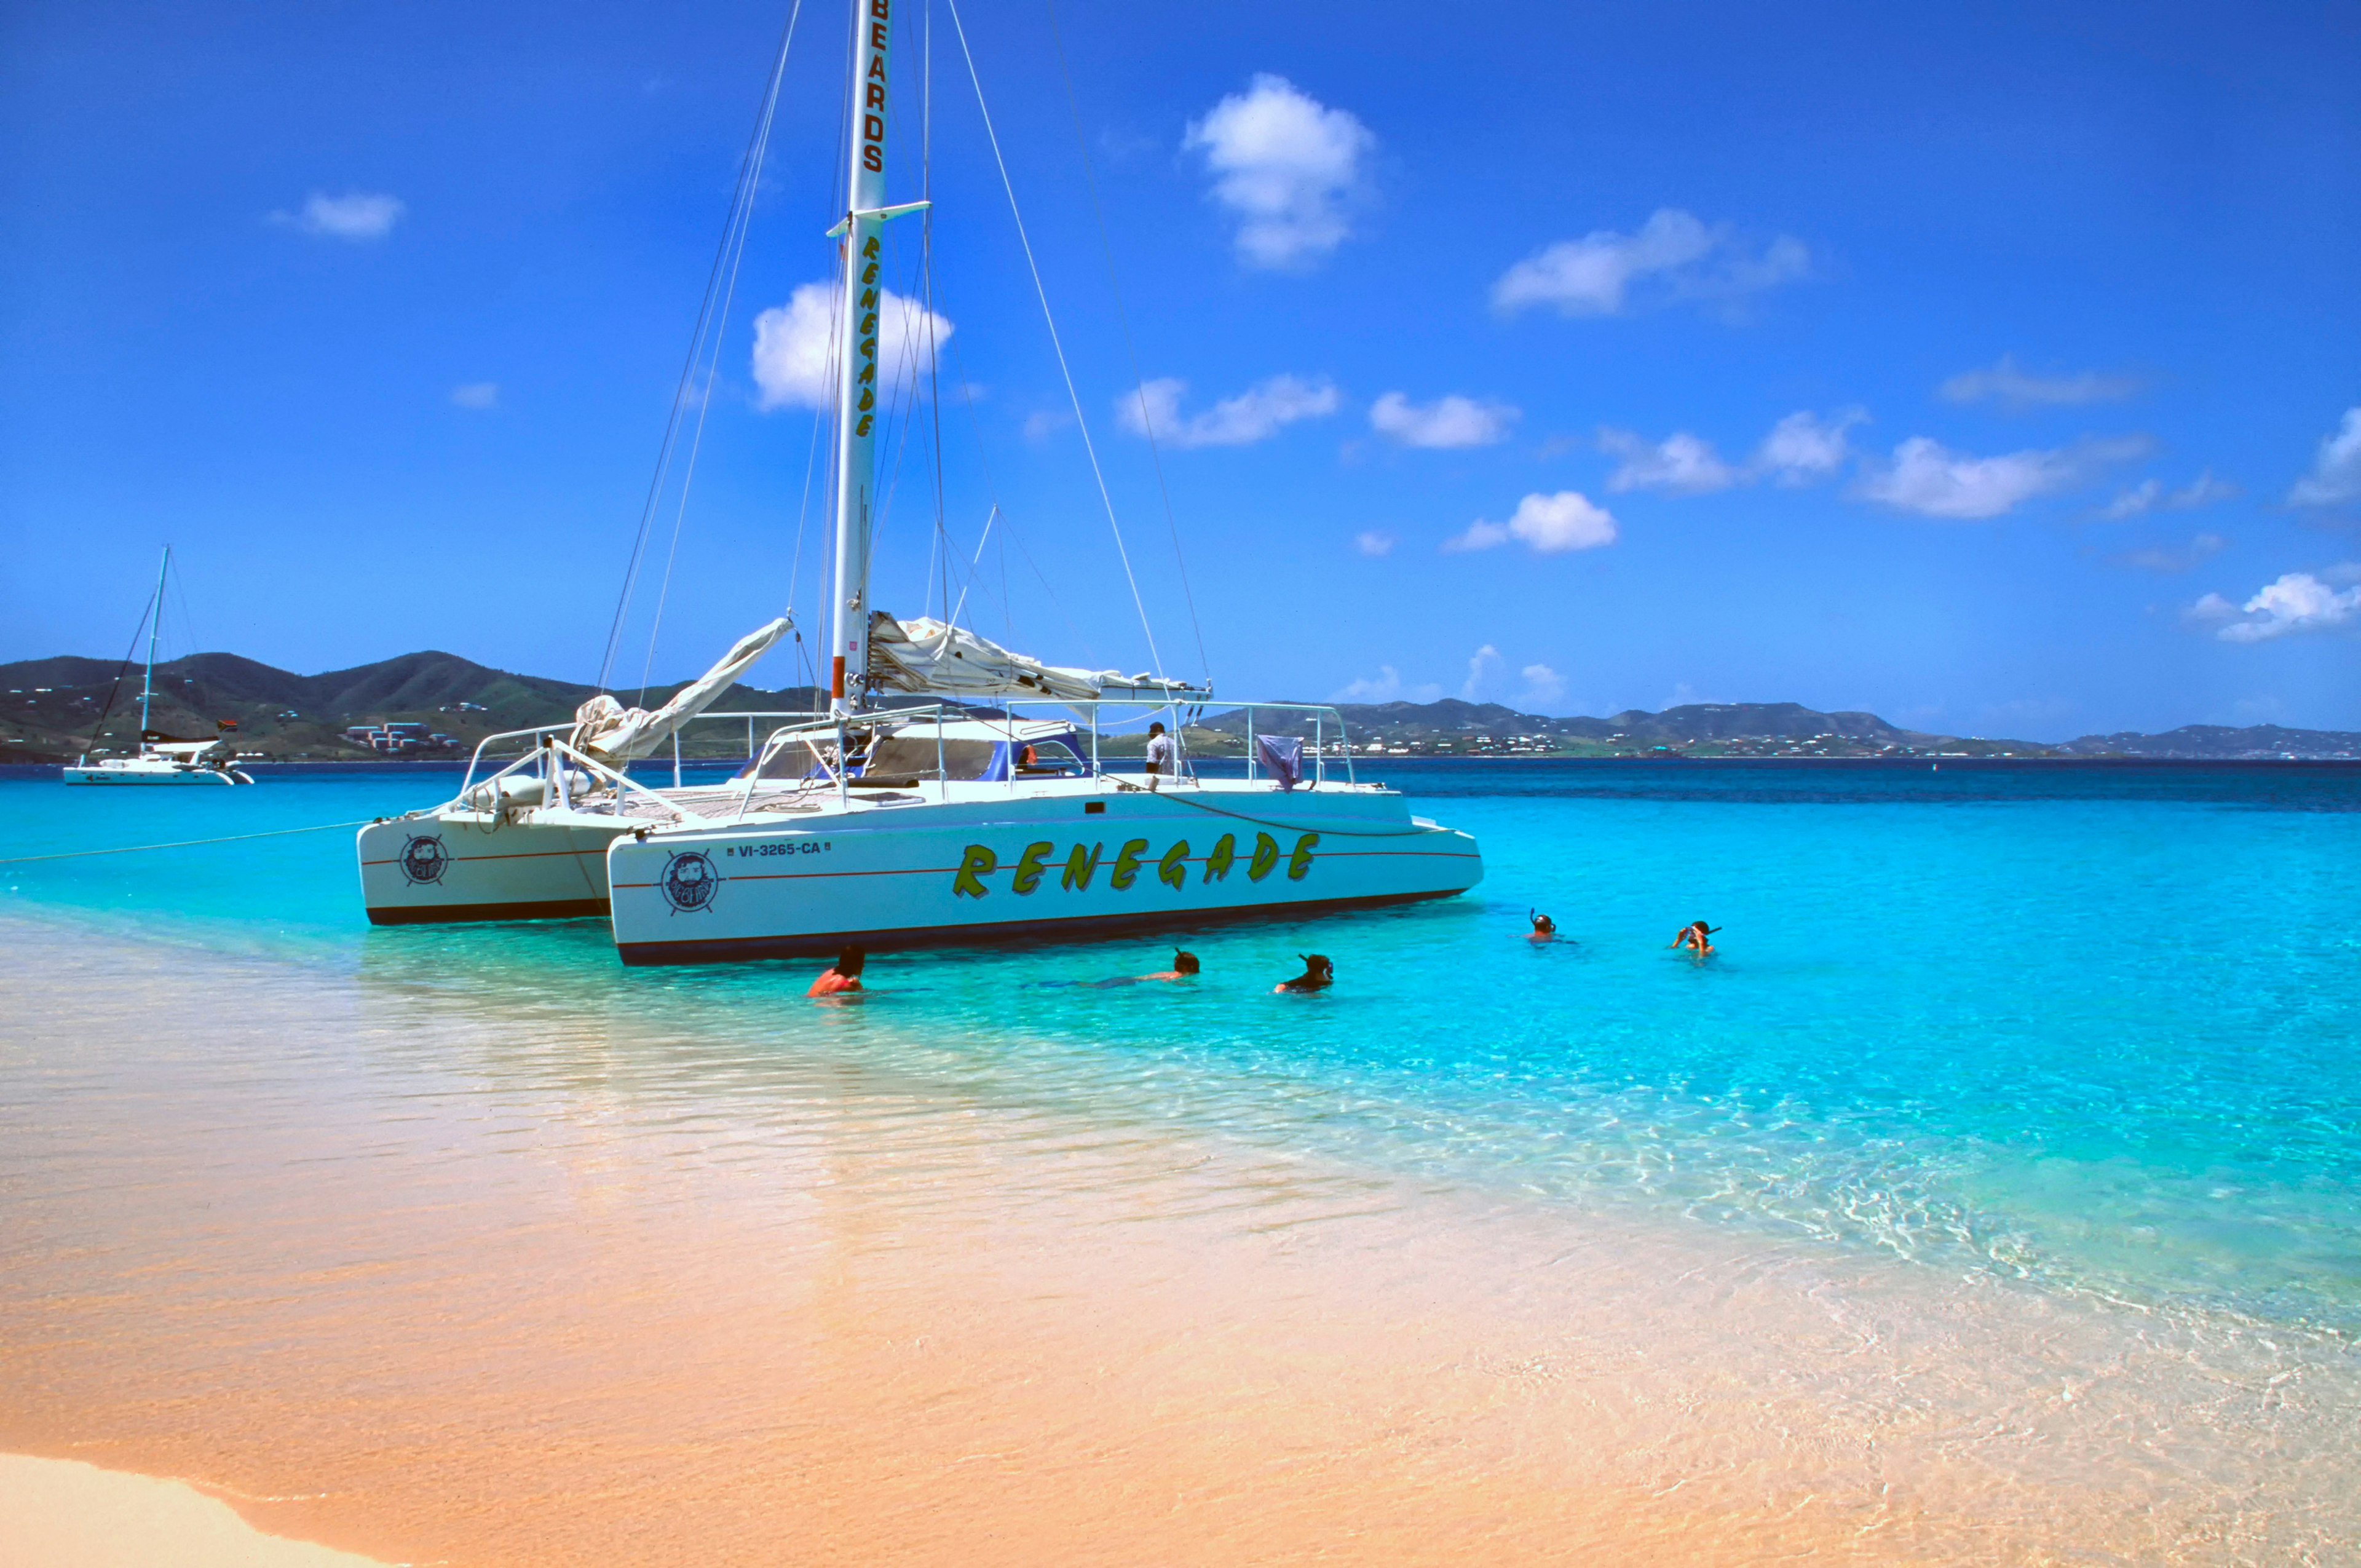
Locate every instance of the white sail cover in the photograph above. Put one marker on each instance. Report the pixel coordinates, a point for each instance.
(927, 656)
(612, 733)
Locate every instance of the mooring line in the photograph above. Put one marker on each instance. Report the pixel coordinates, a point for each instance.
(186, 843)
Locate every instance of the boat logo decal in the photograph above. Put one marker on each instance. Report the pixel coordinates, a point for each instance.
(423, 859)
(689, 882)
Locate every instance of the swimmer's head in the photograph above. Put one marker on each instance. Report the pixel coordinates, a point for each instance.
(1541, 922)
(850, 962)
(1317, 963)
(1184, 963)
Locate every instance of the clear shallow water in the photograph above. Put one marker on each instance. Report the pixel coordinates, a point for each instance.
(2095, 1027)
(1990, 1197)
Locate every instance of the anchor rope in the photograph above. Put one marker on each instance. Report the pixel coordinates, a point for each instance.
(186, 843)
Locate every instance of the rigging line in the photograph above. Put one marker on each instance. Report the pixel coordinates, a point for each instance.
(1122, 317)
(679, 400)
(953, 618)
(749, 187)
(1072, 396)
(122, 672)
(188, 843)
(1178, 797)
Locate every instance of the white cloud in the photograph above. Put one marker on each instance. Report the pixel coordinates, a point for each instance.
(356, 215)
(1285, 165)
(2203, 547)
(1256, 414)
(791, 347)
(1448, 421)
(1480, 666)
(2005, 384)
(1804, 447)
(1545, 688)
(1387, 687)
(1566, 520)
(2296, 601)
(1929, 479)
(1595, 275)
(2336, 473)
(1374, 542)
(1681, 463)
(476, 395)
(1043, 424)
(2149, 494)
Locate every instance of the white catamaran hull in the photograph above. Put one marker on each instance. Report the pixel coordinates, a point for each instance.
(473, 866)
(1054, 866)
(164, 775)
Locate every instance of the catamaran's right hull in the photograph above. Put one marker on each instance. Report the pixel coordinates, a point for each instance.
(152, 776)
(1043, 868)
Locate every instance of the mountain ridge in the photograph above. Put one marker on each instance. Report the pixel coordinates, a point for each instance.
(51, 706)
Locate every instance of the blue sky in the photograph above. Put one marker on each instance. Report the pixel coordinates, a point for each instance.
(1996, 371)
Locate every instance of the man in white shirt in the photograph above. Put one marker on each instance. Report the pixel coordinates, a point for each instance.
(1159, 754)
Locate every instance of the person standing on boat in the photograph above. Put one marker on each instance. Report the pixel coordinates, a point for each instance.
(1159, 753)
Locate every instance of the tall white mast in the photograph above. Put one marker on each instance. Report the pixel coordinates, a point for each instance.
(859, 387)
(154, 625)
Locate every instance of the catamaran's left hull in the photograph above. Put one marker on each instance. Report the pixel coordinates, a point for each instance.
(153, 776)
(1054, 867)
(462, 866)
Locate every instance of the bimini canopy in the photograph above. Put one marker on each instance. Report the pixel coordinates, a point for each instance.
(982, 750)
(929, 657)
(606, 729)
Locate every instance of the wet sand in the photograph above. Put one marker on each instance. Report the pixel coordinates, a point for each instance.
(60, 1513)
(448, 1279)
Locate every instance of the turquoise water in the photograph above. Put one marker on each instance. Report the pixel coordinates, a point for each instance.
(2092, 1028)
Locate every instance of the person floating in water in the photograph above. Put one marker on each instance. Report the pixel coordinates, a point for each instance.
(1184, 967)
(1697, 935)
(842, 978)
(1318, 974)
(1545, 928)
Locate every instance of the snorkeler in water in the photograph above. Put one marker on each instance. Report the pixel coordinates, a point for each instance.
(1318, 974)
(1695, 934)
(1545, 928)
(1184, 967)
(843, 976)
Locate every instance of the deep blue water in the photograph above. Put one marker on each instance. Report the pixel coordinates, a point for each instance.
(2094, 1027)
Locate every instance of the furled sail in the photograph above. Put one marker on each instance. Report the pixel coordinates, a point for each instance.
(612, 733)
(929, 656)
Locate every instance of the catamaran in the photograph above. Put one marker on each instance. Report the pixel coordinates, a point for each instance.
(954, 791)
(161, 759)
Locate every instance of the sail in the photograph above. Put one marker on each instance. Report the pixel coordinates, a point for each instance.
(612, 733)
(929, 656)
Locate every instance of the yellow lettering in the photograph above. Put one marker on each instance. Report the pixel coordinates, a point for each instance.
(1127, 864)
(980, 862)
(868, 298)
(1224, 856)
(868, 324)
(1029, 869)
(1080, 865)
(1173, 869)
(1299, 862)
(1265, 855)
(869, 273)
(869, 251)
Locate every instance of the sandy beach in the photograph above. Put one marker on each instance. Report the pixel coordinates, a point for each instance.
(439, 1280)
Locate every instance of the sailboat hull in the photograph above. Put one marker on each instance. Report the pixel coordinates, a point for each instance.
(1026, 869)
(462, 866)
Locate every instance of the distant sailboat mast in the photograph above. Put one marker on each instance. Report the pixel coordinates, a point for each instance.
(859, 387)
(154, 625)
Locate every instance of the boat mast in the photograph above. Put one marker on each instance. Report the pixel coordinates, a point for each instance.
(154, 625)
(857, 387)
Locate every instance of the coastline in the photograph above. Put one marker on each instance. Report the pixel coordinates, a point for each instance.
(64, 1513)
(541, 1287)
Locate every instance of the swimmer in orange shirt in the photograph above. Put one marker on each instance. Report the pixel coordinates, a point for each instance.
(844, 977)
(1545, 928)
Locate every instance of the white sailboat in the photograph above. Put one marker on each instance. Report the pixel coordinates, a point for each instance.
(954, 792)
(161, 759)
